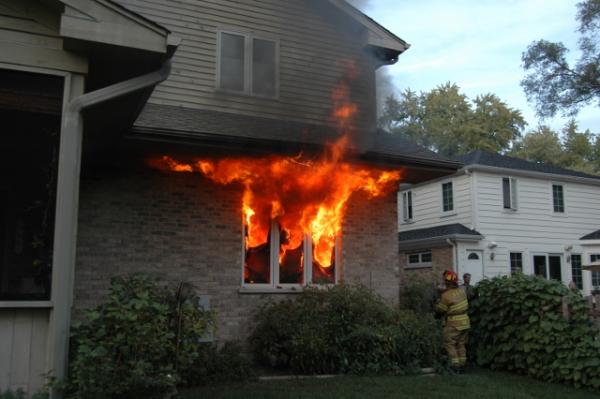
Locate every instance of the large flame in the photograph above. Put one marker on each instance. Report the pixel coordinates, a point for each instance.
(304, 196)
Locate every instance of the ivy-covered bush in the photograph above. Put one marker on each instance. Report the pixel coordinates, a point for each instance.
(518, 325)
(219, 363)
(136, 344)
(343, 329)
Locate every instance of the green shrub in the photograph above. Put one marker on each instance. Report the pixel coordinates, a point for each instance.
(133, 345)
(219, 364)
(518, 325)
(343, 329)
(419, 296)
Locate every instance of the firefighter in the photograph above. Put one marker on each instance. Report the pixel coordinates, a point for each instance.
(453, 305)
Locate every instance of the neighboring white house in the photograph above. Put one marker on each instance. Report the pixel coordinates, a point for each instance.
(500, 214)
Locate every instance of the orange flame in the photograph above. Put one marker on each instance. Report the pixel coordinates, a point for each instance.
(306, 197)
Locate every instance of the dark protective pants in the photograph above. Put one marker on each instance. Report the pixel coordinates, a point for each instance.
(455, 341)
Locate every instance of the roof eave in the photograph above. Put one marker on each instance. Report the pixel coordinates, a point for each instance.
(437, 241)
(531, 173)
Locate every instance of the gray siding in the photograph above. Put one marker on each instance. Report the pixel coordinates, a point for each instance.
(312, 51)
(23, 343)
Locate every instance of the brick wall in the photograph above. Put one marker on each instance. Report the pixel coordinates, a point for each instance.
(181, 227)
(441, 259)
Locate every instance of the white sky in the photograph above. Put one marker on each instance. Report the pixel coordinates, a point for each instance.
(477, 44)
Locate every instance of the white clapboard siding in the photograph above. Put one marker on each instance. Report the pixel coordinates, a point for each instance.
(23, 344)
(427, 205)
(534, 223)
(312, 51)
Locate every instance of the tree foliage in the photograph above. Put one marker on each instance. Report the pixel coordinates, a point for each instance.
(554, 85)
(573, 149)
(447, 121)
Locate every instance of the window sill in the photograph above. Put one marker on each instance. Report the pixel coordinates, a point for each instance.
(448, 214)
(421, 266)
(270, 290)
(26, 304)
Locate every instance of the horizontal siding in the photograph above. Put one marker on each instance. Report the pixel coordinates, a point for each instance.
(427, 205)
(311, 49)
(534, 222)
(23, 347)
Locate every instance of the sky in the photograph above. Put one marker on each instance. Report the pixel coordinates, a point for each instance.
(477, 44)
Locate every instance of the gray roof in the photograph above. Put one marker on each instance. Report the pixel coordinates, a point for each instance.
(438, 232)
(202, 125)
(482, 157)
(592, 236)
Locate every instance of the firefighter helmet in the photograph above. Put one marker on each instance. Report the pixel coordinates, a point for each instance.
(450, 277)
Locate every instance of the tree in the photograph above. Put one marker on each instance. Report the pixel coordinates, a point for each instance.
(445, 120)
(551, 83)
(540, 145)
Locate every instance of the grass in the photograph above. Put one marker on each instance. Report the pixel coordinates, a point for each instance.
(480, 384)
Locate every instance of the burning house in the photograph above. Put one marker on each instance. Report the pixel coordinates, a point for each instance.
(229, 144)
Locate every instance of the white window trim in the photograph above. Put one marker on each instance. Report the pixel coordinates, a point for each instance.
(407, 217)
(275, 286)
(451, 212)
(248, 63)
(420, 264)
(548, 255)
(510, 261)
(564, 195)
(513, 195)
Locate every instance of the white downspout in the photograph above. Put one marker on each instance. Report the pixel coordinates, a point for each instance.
(67, 203)
(454, 246)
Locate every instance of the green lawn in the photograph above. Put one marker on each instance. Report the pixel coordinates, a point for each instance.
(478, 384)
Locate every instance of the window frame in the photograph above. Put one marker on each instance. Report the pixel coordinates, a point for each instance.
(420, 264)
(274, 274)
(564, 203)
(547, 270)
(512, 195)
(452, 209)
(579, 279)
(248, 65)
(595, 275)
(510, 262)
(407, 206)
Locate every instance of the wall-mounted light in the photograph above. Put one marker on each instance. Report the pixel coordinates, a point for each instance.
(491, 246)
(492, 255)
(568, 248)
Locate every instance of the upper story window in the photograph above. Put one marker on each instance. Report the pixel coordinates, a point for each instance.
(407, 206)
(447, 197)
(282, 261)
(509, 193)
(247, 64)
(558, 198)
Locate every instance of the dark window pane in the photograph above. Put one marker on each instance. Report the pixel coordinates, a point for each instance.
(555, 269)
(595, 275)
(264, 76)
(576, 271)
(232, 62)
(473, 256)
(558, 198)
(414, 258)
(448, 201)
(516, 262)
(506, 196)
(257, 263)
(426, 257)
(291, 265)
(539, 266)
(27, 203)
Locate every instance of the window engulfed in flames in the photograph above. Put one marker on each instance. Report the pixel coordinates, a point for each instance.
(298, 197)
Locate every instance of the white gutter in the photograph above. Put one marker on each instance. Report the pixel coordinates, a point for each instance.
(67, 205)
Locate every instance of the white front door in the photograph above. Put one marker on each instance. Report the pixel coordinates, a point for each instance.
(474, 266)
